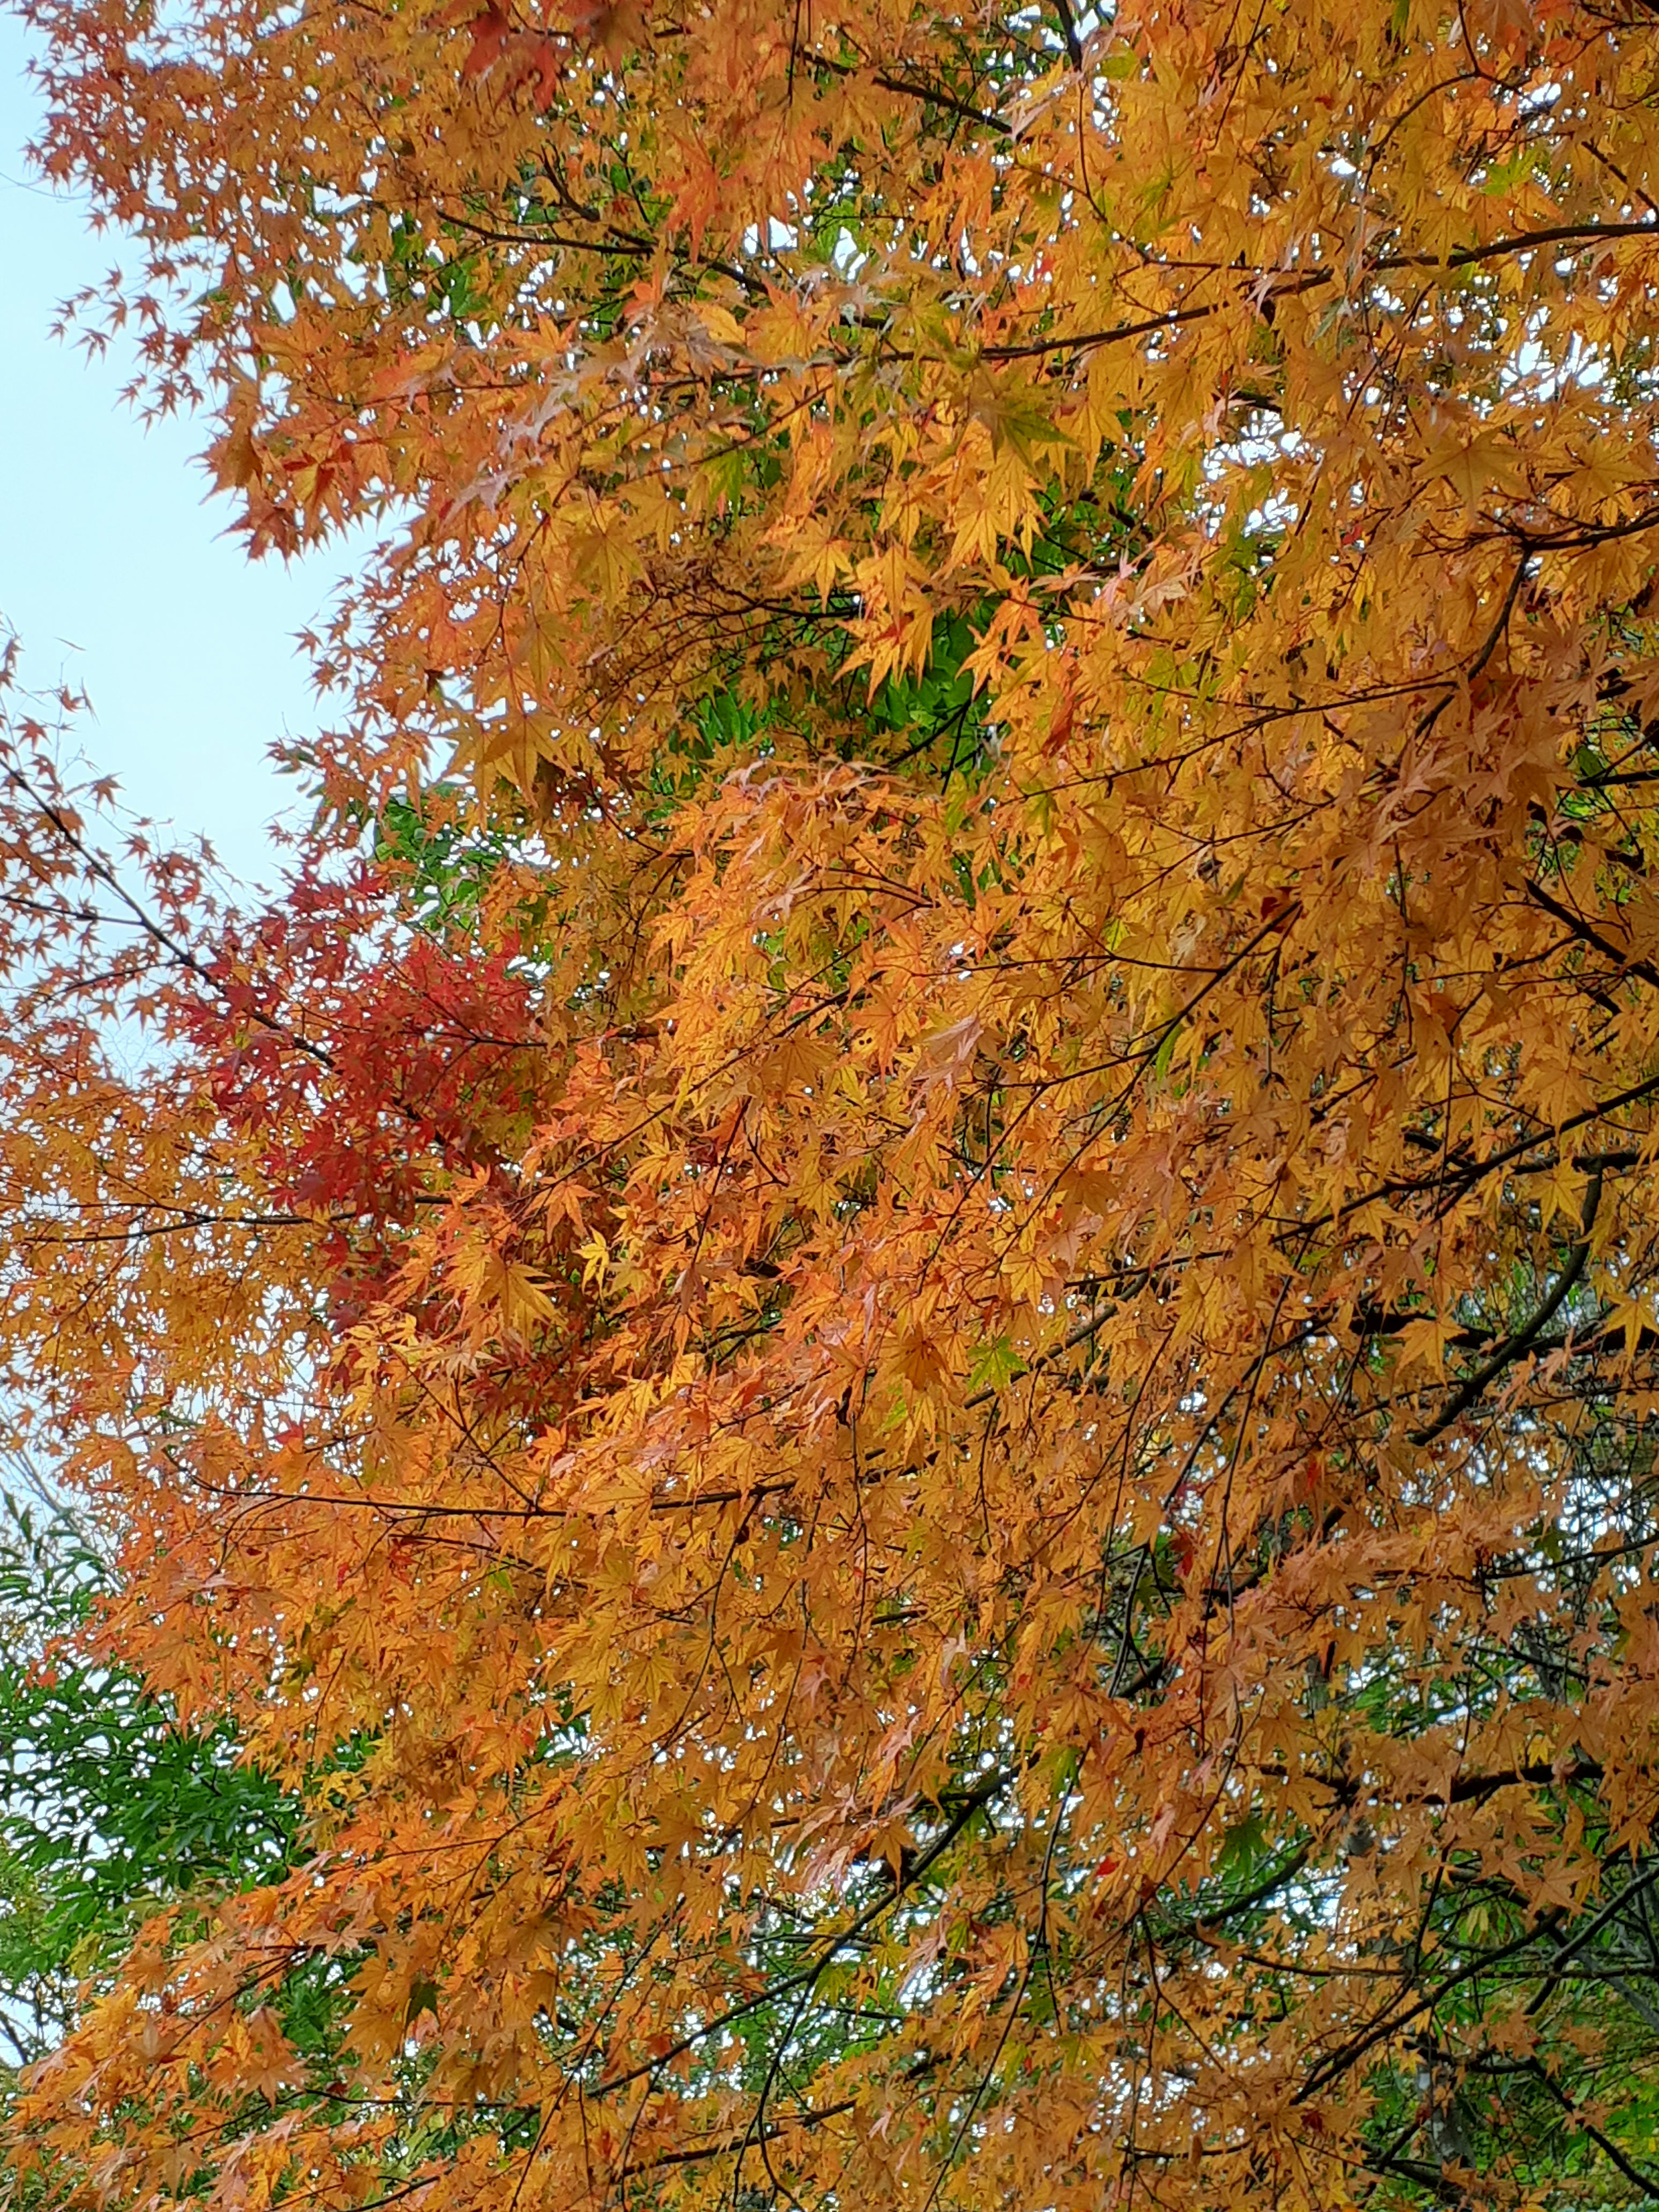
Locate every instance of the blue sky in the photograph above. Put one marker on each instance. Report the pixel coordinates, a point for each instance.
(115, 571)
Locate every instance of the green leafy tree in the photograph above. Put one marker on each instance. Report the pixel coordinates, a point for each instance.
(108, 1810)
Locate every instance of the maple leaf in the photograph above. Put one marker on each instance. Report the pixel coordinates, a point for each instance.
(492, 29)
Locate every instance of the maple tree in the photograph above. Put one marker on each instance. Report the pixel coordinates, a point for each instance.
(897, 1340)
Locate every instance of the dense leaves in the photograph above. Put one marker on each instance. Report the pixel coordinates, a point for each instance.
(898, 1338)
(107, 1811)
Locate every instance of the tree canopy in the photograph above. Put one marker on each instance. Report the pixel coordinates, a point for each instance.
(894, 1344)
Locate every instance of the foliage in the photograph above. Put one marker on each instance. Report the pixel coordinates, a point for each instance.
(107, 1810)
(911, 1375)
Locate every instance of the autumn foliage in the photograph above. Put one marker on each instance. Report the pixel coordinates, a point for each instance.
(897, 1341)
